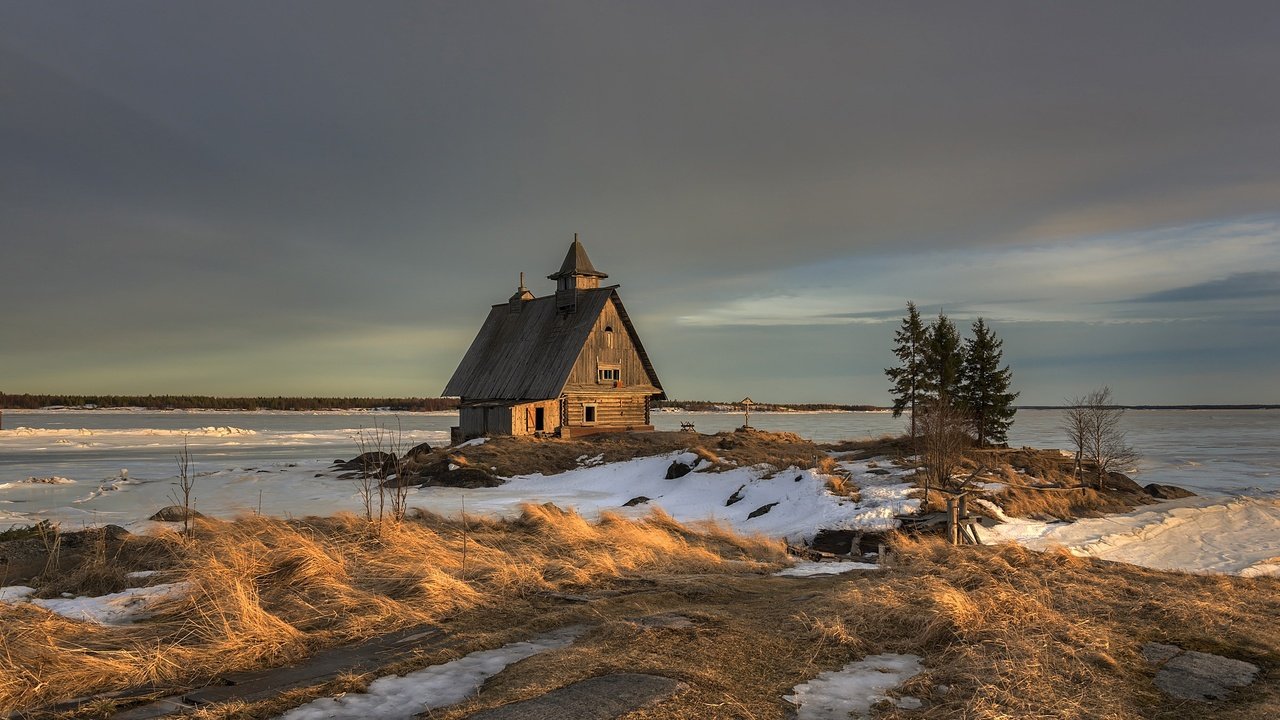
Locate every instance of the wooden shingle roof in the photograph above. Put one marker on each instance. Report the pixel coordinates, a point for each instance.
(529, 354)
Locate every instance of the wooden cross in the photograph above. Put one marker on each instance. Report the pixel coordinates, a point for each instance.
(746, 403)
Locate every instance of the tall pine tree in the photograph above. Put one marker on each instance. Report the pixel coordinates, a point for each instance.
(906, 379)
(984, 387)
(942, 360)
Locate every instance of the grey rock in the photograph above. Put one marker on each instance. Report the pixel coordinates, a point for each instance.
(1156, 653)
(760, 510)
(1167, 492)
(678, 469)
(1190, 675)
(175, 513)
(1122, 483)
(637, 500)
(598, 698)
(735, 497)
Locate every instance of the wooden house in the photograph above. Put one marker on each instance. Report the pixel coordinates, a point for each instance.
(570, 363)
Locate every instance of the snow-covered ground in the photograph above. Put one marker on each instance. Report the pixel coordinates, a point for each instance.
(852, 690)
(1239, 536)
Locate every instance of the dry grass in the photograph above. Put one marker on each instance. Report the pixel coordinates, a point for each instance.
(267, 591)
(1010, 633)
(839, 482)
(1064, 503)
(1014, 633)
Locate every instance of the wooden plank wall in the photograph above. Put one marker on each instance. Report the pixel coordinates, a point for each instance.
(613, 409)
(596, 351)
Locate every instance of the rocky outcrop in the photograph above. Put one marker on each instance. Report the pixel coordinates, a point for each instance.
(463, 477)
(1167, 492)
(374, 463)
(1189, 675)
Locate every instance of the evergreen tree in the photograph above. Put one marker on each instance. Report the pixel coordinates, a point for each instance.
(984, 387)
(906, 378)
(942, 359)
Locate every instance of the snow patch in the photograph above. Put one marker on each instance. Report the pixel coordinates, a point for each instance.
(855, 688)
(472, 442)
(113, 609)
(1238, 536)
(15, 592)
(809, 569)
(400, 697)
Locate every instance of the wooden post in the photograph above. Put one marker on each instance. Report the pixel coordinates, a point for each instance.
(953, 524)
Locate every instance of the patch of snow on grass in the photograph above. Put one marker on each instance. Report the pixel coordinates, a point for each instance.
(853, 689)
(802, 504)
(15, 592)
(397, 697)
(113, 609)
(472, 442)
(809, 569)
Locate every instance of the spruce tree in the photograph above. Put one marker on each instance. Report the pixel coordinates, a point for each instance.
(942, 360)
(984, 387)
(906, 378)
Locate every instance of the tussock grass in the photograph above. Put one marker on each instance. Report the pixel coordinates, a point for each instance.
(1065, 503)
(268, 591)
(1016, 633)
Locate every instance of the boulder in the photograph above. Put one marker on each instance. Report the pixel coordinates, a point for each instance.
(463, 477)
(761, 510)
(374, 462)
(1122, 483)
(678, 470)
(1167, 492)
(638, 500)
(420, 450)
(175, 513)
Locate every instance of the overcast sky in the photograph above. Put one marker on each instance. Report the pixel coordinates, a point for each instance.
(324, 198)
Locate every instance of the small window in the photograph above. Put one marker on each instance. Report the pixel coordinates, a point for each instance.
(609, 375)
(608, 336)
(588, 414)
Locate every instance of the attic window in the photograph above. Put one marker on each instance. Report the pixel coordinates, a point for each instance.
(608, 336)
(609, 374)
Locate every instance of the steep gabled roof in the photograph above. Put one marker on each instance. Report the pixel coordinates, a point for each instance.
(529, 354)
(576, 262)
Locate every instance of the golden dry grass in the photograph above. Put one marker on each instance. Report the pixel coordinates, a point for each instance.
(1015, 633)
(266, 591)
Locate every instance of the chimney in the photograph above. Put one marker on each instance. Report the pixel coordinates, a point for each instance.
(521, 296)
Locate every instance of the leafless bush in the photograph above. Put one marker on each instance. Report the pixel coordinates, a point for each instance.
(382, 500)
(181, 495)
(943, 440)
(1092, 423)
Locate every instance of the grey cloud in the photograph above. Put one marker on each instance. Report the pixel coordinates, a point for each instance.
(245, 167)
(1239, 286)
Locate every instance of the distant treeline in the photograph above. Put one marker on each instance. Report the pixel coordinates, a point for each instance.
(208, 402)
(711, 406)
